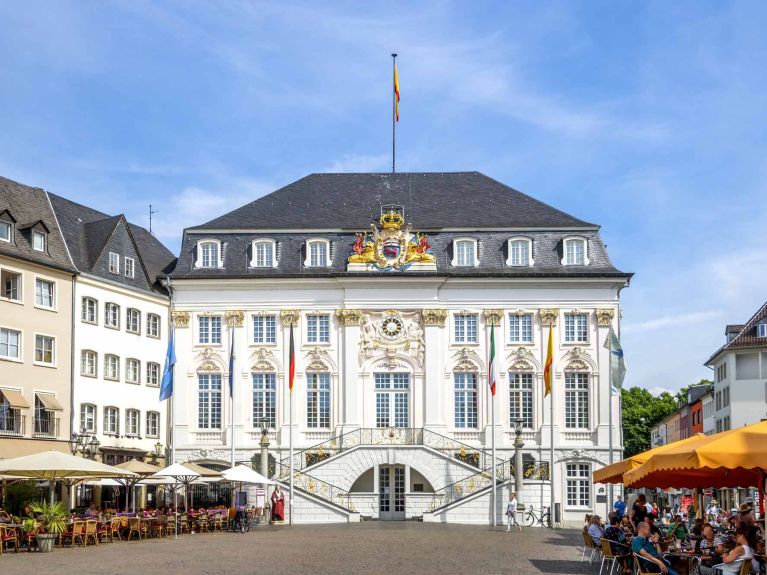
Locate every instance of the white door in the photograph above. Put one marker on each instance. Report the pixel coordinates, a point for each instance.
(391, 493)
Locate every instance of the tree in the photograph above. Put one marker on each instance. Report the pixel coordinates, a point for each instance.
(641, 411)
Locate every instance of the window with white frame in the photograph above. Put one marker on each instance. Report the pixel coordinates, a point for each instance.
(114, 263)
(520, 252)
(465, 400)
(521, 399)
(263, 254)
(208, 254)
(264, 329)
(111, 367)
(152, 424)
(112, 315)
(45, 349)
(10, 417)
(45, 293)
(209, 329)
(89, 310)
(318, 328)
(317, 254)
(38, 241)
(520, 328)
(209, 400)
(10, 343)
(44, 422)
(578, 480)
(132, 371)
(130, 267)
(576, 400)
(5, 230)
(152, 325)
(392, 397)
(575, 252)
(88, 417)
(88, 363)
(152, 373)
(264, 398)
(761, 330)
(465, 328)
(465, 253)
(318, 400)
(132, 422)
(576, 328)
(11, 284)
(133, 321)
(111, 421)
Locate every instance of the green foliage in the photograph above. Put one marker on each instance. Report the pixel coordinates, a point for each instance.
(53, 517)
(19, 494)
(641, 411)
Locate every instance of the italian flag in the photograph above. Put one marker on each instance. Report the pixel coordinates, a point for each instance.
(292, 362)
(491, 364)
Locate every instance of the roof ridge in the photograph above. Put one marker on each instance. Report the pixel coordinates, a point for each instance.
(760, 314)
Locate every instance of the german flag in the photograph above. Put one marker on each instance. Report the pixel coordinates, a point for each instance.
(396, 94)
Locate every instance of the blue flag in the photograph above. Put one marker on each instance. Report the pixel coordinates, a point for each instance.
(166, 386)
(231, 366)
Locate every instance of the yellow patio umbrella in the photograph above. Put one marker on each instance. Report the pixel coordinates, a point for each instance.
(613, 473)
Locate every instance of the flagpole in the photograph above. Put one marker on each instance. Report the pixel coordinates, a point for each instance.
(231, 386)
(610, 414)
(491, 381)
(393, 113)
(290, 435)
(551, 429)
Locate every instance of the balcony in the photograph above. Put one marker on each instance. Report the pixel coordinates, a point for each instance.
(45, 427)
(12, 424)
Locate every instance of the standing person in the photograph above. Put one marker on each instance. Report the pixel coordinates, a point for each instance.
(638, 511)
(619, 507)
(278, 504)
(648, 548)
(511, 511)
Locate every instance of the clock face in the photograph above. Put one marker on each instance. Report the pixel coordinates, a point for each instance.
(392, 326)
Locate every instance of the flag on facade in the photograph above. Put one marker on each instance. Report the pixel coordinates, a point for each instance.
(549, 362)
(396, 93)
(166, 386)
(617, 363)
(491, 363)
(291, 362)
(231, 365)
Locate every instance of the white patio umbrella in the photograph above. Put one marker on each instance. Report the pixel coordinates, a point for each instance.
(182, 475)
(243, 474)
(141, 470)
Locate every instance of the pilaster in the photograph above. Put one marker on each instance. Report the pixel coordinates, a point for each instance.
(434, 392)
(350, 388)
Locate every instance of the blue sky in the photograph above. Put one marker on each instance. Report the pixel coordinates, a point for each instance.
(645, 117)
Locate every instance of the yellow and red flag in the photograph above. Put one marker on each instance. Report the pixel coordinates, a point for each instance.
(549, 364)
(396, 94)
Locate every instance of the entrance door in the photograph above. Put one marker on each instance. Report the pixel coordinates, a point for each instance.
(391, 493)
(392, 399)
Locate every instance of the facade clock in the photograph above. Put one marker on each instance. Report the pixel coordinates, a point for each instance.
(391, 326)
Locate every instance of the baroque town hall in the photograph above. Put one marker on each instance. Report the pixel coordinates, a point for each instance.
(391, 283)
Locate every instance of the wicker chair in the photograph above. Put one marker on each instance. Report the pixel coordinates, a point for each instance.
(74, 533)
(8, 536)
(91, 531)
(114, 529)
(135, 526)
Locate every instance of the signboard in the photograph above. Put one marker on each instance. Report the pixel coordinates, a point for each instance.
(708, 492)
(686, 503)
(260, 497)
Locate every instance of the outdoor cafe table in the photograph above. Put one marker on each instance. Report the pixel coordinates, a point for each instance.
(688, 556)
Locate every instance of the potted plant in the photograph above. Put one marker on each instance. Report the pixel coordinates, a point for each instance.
(52, 520)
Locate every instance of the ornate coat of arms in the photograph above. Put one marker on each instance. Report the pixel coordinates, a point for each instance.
(391, 248)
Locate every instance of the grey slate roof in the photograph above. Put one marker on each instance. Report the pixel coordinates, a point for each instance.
(28, 205)
(91, 235)
(747, 336)
(467, 204)
(467, 200)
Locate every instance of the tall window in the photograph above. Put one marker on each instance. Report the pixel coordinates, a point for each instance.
(578, 478)
(44, 293)
(114, 263)
(209, 255)
(465, 327)
(112, 315)
(153, 325)
(209, 328)
(132, 422)
(38, 241)
(465, 403)
(5, 231)
(45, 423)
(133, 321)
(521, 398)
(264, 329)
(576, 400)
(88, 363)
(575, 252)
(10, 341)
(152, 424)
(88, 417)
(45, 349)
(111, 421)
(519, 252)
(318, 400)
(520, 328)
(392, 399)
(152, 373)
(132, 370)
(263, 254)
(465, 253)
(111, 367)
(11, 284)
(89, 311)
(209, 401)
(576, 328)
(264, 398)
(318, 254)
(318, 328)
(130, 267)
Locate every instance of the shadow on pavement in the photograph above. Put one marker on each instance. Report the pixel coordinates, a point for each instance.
(561, 567)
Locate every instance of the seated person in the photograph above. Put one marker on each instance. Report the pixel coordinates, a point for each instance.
(654, 529)
(595, 530)
(647, 546)
(697, 527)
(744, 551)
(4, 516)
(617, 538)
(678, 529)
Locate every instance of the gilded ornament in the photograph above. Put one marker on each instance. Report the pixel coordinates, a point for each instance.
(605, 316)
(317, 359)
(234, 317)
(493, 316)
(180, 319)
(290, 317)
(349, 316)
(578, 359)
(549, 316)
(434, 316)
(263, 360)
(208, 360)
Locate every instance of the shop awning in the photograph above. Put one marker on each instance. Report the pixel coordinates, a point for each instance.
(14, 399)
(50, 402)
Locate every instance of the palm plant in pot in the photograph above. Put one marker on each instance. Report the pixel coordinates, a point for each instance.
(52, 521)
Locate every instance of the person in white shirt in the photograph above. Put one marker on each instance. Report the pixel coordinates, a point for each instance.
(511, 511)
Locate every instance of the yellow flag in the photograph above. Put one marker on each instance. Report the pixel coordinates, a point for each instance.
(396, 93)
(549, 364)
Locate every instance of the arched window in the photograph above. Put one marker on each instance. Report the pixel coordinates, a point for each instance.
(263, 254)
(575, 252)
(317, 254)
(208, 254)
(88, 363)
(520, 252)
(111, 421)
(465, 252)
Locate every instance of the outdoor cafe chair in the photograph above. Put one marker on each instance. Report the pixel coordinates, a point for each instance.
(114, 529)
(8, 536)
(745, 567)
(183, 523)
(640, 562)
(588, 543)
(218, 521)
(135, 526)
(608, 557)
(91, 529)
(75, 532)
(159, 525)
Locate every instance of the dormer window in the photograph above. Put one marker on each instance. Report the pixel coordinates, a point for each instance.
(38, 241)
(761, 330)
(317, 254)
(5, 230)
(114, 263)
(208, 254)
(130, 267)
(575, 252)
(465, 252)
(263, 254)
(520, 252)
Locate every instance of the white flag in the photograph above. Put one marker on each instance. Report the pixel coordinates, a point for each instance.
(617, 364)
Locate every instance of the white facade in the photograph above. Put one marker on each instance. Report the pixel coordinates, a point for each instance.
(740, 388)
(117, 397)
(658, 434)
(709, 422)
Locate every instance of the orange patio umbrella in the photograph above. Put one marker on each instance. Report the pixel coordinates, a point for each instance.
(613, 473)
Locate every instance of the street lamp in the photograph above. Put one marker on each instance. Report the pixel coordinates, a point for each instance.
(84, 443)
(517, 425)
(264, 447)
(156, 453)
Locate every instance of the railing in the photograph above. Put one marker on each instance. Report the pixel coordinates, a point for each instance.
(12, 424)
(469, 485)
(45, 426)
(391, 436)
(314, 486)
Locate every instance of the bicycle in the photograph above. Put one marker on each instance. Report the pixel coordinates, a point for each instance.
(531, 517)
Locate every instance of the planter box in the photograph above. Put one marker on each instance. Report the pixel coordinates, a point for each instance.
(45, 541)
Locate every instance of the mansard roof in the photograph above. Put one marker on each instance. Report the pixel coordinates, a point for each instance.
(747, 337)
(465, 200)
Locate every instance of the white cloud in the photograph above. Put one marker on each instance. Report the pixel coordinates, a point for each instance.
(657, 390)
(683, 319)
